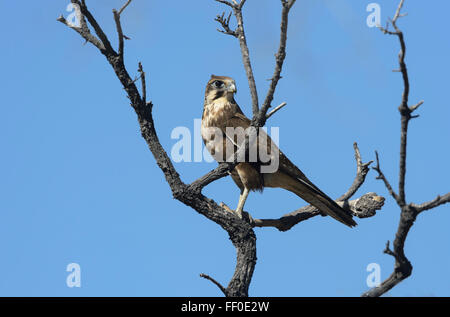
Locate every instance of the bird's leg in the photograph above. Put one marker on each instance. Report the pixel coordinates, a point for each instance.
(242, 198)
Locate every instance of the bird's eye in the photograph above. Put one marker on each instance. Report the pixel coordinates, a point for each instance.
(218, 84)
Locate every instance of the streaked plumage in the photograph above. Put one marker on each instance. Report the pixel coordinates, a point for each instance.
(221, 111)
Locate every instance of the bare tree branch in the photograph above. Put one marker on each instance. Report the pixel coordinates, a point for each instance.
(223, 289)
(397, 13)
(402, 267)
(387, 250)
(384, 179)
(362, 169)
(220, 171)
(416, 106)
(279, 60)
(119, 32)
(409, 212)
(274, 110)
(144, 84)
(439, 200)
(228, 3)
(362, 207)
(225, 23)
(124, 7)
(239, 33)
(83, 29)
(240, 232)
(117, 15)
(93, 22)
(246, 56)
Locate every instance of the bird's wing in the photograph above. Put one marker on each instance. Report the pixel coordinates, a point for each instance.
(239, 119)
(264, 141)
(311, 193)
(232, 136)
(303, 186)
(285, 165)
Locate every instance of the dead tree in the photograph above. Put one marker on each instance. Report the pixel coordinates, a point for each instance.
(408, 211)
(240, 231)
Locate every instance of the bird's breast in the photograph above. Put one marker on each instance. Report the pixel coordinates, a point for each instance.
(217, 112)
(215, 116)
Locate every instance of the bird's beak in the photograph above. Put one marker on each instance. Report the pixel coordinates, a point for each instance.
(232, 88)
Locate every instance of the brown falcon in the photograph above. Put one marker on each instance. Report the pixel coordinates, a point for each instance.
(221, 118)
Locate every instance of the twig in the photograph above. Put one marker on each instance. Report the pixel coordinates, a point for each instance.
(225, 22)
(397, 12)
(231, 5)
(384, 179)
(119, 32)
(439, 200)
(119, 27)
(83, 29)
(279, 60)
(223, 289)
(393, 21)
(274, 110)
(362, 169)
(124, 6)
(416, 106)
(144, 85)
(387, 250)
(98, 30)
(246, 57)
(220, 171)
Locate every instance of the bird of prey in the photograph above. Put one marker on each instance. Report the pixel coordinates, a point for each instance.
(221, 114)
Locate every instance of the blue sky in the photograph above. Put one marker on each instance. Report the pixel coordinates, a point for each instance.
(79, 185)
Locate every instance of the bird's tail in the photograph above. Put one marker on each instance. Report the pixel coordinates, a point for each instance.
(313, 195)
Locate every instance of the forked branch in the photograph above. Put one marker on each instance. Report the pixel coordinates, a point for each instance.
(408, 212)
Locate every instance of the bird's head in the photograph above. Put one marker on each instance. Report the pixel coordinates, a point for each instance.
(220, 86)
